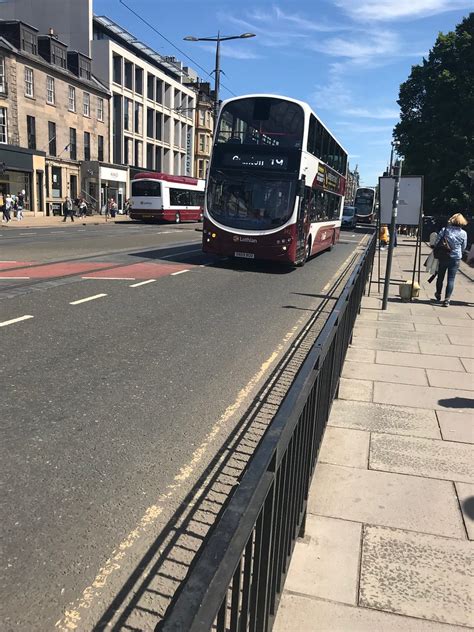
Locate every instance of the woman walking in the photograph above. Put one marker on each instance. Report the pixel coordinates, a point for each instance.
(451, 243)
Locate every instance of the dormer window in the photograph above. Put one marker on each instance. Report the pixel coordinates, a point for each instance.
(58, 56)
(84, 68)
(29, 42)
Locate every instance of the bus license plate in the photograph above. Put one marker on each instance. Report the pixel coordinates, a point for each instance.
(245, 255)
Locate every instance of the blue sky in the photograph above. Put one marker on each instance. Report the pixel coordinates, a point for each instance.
(346, 58)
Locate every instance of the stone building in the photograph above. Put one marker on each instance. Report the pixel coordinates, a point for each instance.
(204, 127)
(53, 114)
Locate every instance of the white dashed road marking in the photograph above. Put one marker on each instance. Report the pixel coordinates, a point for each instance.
(2, 278)
(179, 272)
(89, 298)
(143, 283)
(15, 320)
(109, 278)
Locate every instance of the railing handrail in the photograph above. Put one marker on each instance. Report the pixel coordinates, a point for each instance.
(197, 604)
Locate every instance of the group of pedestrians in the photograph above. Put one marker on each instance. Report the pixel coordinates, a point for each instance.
(69, 211)
(12, 204)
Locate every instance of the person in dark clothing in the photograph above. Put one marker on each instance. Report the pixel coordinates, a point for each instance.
(456, 239)
(68, 209)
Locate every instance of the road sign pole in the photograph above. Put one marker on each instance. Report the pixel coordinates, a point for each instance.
(393, 227)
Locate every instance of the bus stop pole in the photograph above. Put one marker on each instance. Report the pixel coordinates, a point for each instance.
(393, 227)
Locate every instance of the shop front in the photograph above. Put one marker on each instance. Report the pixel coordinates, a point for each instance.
(101, 182)
(22, 170)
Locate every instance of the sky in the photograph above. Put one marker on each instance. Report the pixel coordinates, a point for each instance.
(346, 58)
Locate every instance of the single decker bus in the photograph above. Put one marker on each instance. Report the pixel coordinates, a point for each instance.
(160, 196)
(276, 182)
(364, 202)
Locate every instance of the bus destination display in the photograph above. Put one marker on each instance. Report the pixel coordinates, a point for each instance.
(259, 161)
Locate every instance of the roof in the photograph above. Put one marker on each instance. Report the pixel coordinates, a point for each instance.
(153, 175)
(169, 64)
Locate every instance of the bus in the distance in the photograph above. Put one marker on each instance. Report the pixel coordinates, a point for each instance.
(364, 202)
(160, 196)
(276, 181)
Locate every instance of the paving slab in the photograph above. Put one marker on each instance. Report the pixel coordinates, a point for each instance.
(386, 373)
(458, 351)
(423, 396)
(325, 562)
(431, 458)
(455, 322)
(419, 360)
(417, 575)
(393, 500)
(345, 446)
(449, 329)
(400, 325)
(446, 379)
(298, 613)
(462, 338)
(412, 335)
(360, 355)
(388, 344)
(366, 316)
(456, 426)
(468, 364)
(360, 390)
(465, 492)
(408, 318)
(383, 418)
(456, 312)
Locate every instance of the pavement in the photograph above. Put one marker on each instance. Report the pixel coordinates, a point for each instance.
(390, 525)
(128, 359)
(30, 220)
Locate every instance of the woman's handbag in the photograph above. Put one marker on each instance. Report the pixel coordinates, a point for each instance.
(442, 250)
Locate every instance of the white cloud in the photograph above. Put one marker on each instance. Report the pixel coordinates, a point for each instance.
(386, 10)
(376, 113)
(358, 128)
(232, 51)
(361, 47)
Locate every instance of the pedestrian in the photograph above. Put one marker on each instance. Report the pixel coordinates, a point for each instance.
(107, 209)
(82, 208)
(68, 209)
(7, 208)
(449, 247)
(431, 263)
(113, 208)
(384, 237)
(20, 205)
(127, 206)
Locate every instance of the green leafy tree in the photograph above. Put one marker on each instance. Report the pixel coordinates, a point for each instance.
(436, 128)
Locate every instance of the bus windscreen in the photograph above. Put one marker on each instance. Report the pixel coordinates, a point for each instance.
(264, 121)
(146, 188)
(250, 202)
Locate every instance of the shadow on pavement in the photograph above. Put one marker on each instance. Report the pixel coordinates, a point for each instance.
(468, 507)
(457, 402)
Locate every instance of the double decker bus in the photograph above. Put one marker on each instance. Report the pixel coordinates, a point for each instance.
(276, 182)
(160, 196)
(364, 202)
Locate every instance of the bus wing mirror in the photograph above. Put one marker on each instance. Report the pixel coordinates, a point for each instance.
(300, 187)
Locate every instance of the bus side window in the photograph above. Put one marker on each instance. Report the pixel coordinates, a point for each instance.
(312, 135)
(178, 197)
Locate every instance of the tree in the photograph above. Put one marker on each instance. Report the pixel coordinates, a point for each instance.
(436, 128)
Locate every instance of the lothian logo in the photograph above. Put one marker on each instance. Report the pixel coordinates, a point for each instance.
(236, 238)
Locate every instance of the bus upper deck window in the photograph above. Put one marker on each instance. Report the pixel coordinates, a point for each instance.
(261, 110)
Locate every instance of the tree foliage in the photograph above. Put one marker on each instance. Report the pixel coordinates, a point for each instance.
(436, 128)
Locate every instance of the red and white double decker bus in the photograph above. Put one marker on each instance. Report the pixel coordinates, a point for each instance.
(365, 202)
(160, 196)
(276, 182)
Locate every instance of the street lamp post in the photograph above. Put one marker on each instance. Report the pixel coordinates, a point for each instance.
(217, 71)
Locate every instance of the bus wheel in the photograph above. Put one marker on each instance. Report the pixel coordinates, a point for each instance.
(177, 218)
(307, 253)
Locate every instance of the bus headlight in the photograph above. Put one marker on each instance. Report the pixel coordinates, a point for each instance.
(213, 235)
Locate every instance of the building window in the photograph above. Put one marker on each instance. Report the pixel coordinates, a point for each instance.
(201, 169)
(72, 99)
(138, 80)
(150, 154)
(150, 87)
(202, 118)
(100, 148)
(87, 146)
(100, 109)
(84, 68)
(58, 56)
(128, 158)
(129, 75)
(158, 125)
(138, 118)
(138, 153)
(87, 104)
(3, 126)
(72, 143)
(150, 119)
(29, 83)
(31, 131)
(29, 42)
(117, 69)
(127, 114)
(50, 91)
(3, 81)
(202, 143)
(51, 138)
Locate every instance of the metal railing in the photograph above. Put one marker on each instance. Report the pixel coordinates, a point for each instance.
(238, 577)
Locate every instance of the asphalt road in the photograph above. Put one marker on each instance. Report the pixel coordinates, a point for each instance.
(112, 407)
